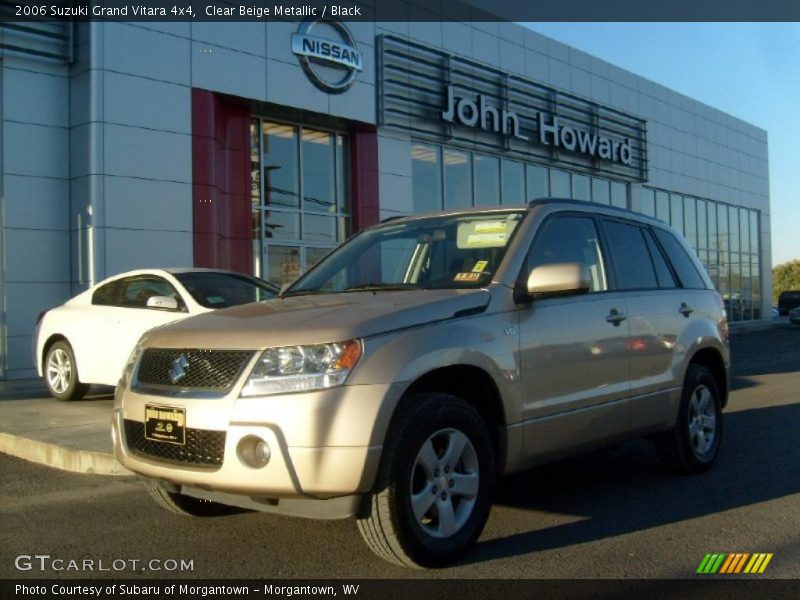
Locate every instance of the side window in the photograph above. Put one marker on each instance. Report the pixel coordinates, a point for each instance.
(632, 265)
(569, 240)
(106, 295)
(663, 274)
(680, 260)
(136, 291)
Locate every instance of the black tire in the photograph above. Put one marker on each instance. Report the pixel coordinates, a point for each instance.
(390, 529)
(187, 506)
(680, 447)
(61, 373)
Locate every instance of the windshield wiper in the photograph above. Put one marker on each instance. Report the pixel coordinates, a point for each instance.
(379, 286)
(290, 293)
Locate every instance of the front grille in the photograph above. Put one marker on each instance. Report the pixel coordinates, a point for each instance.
(203, 447)
(206, 369)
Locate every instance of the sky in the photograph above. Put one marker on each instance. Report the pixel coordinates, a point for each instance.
(749, 70)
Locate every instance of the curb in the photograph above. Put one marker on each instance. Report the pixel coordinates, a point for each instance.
(59, 457)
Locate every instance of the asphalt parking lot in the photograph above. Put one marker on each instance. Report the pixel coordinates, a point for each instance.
(615, 513)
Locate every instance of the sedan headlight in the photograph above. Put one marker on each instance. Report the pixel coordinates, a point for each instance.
(302, 368)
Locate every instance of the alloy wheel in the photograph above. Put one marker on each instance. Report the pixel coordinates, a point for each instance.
(444, 483)
(59, 371)
(702, 420)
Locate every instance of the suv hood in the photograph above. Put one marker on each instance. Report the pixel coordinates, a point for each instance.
(316, 319)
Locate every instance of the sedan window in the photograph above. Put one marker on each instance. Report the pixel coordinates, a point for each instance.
(220, 290)
(136, 291)
(106, 295)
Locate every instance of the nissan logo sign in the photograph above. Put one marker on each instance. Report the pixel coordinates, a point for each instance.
(316, 51)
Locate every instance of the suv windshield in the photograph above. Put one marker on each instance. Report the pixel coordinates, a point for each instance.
(454, 251)
(221, 290)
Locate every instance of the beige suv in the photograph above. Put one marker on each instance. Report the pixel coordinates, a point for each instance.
(398, 378)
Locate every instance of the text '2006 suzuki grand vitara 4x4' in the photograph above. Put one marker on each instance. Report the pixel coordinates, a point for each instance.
(401, 375)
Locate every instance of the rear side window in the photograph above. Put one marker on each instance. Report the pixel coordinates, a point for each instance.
(569, 240)
(106, 295)
(137, 291)
(664, 275)
(680, 260)
(632, 264)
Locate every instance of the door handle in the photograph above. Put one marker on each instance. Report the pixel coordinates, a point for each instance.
(615, 317)
(685, 309)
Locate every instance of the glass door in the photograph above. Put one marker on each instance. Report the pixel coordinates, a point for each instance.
(300, 198)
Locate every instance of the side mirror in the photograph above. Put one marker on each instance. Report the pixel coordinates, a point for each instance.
(559, 279)
(162, 302)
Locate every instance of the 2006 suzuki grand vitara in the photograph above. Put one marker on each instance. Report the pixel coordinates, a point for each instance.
(399, 377)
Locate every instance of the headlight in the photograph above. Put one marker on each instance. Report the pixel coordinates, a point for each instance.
(302, 368)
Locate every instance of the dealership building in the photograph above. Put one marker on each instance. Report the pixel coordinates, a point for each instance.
(260, 146)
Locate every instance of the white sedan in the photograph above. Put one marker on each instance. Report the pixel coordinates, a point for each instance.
(88, 339)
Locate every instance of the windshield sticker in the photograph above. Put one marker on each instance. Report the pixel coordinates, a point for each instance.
(484, 234)
(481, 240)
(467, 277)
(480, 266)
(490, 227)
(215, 299)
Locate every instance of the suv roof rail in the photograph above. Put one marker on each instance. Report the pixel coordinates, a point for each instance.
(550, 200)
(393, 218)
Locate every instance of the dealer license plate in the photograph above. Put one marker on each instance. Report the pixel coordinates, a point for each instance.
(165, 424)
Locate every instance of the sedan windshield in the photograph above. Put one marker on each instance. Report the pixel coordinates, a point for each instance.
(221, 290)
(455, 251)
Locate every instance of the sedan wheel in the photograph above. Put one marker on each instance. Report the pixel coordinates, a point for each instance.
(61, 373)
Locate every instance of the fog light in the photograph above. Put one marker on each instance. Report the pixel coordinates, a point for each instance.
(254, 452)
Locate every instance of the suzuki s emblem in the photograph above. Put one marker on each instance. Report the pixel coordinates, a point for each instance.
(178, 369)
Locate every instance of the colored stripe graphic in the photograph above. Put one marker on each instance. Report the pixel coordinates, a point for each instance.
(703, 563)
(734, 563)
(727, 564)
(714, 567)
(765, 563)
(740, 564)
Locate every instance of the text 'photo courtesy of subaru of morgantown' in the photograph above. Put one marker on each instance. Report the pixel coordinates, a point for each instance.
(87, 339)
(427, 356)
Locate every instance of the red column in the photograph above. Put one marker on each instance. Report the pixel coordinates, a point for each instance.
(364, 176)
(221, 182)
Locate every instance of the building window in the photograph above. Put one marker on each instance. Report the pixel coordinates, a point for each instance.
(647, 202)
(601, 192)
(581, 188)
(619, 194)
(486, 170)
(426, 171)
(560, 184)
(538, 182)
(513, 182)
(299, 197)
(457, 179)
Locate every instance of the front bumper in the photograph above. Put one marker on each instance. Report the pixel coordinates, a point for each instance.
(323, 444)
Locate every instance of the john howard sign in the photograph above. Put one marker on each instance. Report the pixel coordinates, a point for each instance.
(456, 101)
(479, 113)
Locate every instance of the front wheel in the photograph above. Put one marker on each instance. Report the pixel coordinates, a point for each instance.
(435, 484)
(61, 373)
(693, 446)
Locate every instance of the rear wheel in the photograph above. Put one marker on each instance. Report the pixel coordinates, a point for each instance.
(186, 506)
(693, 446)
(61, 373)
(435, 484)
